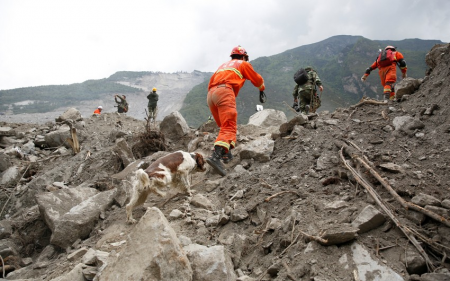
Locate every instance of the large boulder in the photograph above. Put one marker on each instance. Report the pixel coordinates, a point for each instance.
(406, 87)
(59, 137)
(152, 252)
(434, 56)
(124, 152)
(259, 149)
(267, 118)
(210, 263)
(70, 114)
(72, 213)
(174, 126)
(286, 128)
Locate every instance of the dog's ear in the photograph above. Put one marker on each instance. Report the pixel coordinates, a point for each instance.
(200, 161)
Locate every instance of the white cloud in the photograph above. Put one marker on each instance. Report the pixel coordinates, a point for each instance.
(59, 42)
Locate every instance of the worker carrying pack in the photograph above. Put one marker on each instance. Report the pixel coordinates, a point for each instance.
(301, 77)
(386, 58)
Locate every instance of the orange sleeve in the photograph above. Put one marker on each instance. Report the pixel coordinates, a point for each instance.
(402, 64)
(374, 65)
(250, 74)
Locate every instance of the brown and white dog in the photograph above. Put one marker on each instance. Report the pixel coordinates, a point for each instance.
(171, 170)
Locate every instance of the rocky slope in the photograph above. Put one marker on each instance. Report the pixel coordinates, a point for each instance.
(294, 205)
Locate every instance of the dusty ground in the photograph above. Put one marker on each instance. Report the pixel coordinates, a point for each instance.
(424, 154)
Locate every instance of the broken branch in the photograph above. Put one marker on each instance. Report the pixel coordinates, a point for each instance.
(380, 203)
(315, 238)
(368, 101)
(280, 193)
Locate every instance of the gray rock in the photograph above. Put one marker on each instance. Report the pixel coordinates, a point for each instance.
(70, 114)
(201, 201)
(406, 86)
(151, 247)
(176, 214)
(438, 210)
(5, 162)
(267, 118)
(124, 152)
(238, 215)
(446, 203)
(259, 149)
(416, 217)
(72, 213)
(286, 128)
(415, 263)
(339, 234)
(10, 176)
(336, 205)
(211, 185)
(58, 138)
(28, 148)
(174, 126)
(435, 277)
(5, 229)
(7, 131)
(367, 266)
(77, 254)
(210, 263)
(424, 199)
(8, 248)
(76, 274)
(368, 219)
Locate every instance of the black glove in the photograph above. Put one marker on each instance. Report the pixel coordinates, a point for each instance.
(262, 97)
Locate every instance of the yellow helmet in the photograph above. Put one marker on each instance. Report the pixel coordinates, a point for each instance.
(154, 90)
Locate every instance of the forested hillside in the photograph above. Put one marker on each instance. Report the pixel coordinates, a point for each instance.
(340, 62)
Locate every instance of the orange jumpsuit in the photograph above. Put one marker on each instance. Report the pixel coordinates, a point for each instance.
(388, 74)
(97, 112)
(223, 89)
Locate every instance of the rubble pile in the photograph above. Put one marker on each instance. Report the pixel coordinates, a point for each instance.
(361, 193)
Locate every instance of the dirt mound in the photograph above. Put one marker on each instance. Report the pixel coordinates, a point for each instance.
(300, 216)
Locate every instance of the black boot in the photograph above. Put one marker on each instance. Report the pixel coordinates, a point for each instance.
(214, 160)
(227, 157)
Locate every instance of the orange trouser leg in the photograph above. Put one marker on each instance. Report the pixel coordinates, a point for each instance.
(388, 77)
(222, 103)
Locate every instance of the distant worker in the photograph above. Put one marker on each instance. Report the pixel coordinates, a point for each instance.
(305, 95)
(122, 104)
(98, 111)
(223, 89)
(209, 119)
(386, 63)
(152, 104)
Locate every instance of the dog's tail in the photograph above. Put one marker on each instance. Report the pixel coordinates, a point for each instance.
(142, 177)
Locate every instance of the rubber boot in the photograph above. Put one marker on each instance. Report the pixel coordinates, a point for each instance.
(214, 160)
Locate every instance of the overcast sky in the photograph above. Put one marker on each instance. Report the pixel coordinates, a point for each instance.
(54, 42)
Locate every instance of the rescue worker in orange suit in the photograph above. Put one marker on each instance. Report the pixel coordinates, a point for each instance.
(98, 111)
(223, 89)
(388, 70)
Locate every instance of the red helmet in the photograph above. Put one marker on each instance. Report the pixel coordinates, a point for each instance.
(238, 51)
(390, 47)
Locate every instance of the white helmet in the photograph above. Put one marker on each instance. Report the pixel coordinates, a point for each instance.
(100, 107)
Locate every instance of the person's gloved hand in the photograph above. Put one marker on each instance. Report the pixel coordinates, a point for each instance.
(363, 78)
(404, 75)
(262, 97)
